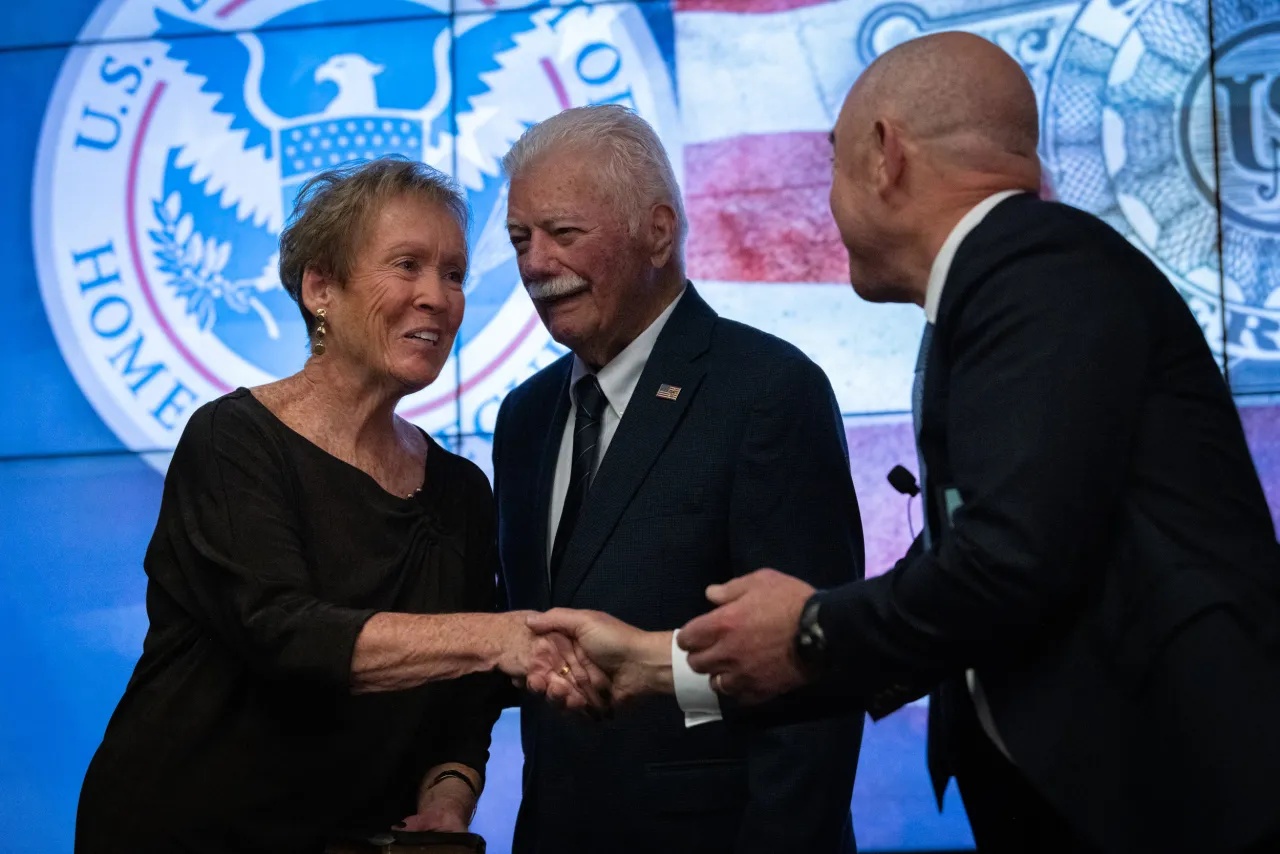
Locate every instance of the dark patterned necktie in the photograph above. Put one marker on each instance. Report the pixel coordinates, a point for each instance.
(586, 446)
(917, 402)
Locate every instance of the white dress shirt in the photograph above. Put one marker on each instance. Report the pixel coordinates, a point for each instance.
(618, 381)
(933, 295)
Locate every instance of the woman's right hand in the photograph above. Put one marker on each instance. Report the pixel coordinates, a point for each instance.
(515, 643)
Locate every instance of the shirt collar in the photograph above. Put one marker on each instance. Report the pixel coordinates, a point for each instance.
(942, 263)
(619, 378)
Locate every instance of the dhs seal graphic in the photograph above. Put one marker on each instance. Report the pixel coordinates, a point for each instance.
(1128, 95)
(1130, 137)
(173, 148)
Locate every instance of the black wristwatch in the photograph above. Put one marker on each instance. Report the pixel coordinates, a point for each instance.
(810, 641)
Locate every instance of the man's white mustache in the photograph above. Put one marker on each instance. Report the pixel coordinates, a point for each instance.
(562, 285)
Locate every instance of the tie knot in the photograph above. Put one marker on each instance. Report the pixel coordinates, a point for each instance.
(591, 399)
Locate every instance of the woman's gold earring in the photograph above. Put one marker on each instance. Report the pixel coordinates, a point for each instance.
(317, 338)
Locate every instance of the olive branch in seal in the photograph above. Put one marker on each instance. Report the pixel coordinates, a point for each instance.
(194, 265)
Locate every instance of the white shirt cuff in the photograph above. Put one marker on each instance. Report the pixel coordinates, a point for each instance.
(693, 690)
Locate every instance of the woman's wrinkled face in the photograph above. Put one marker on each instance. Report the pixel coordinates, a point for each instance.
(401, 307)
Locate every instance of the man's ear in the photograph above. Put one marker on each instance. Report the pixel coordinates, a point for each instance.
(663, 234)
(892, 155)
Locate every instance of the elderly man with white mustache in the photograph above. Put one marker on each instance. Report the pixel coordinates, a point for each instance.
(672, 449)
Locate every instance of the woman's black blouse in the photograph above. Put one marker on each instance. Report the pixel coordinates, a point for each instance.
(238, 730)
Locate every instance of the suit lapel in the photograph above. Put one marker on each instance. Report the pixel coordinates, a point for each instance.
(644, 431)
(985, 246)
(546, 478)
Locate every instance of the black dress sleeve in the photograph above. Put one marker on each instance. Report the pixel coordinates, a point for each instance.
(228, 549)
(476, 700)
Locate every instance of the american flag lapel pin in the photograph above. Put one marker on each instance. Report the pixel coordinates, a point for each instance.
(668, 392)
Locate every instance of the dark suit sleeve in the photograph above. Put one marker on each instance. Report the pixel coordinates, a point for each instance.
(793, 508)
(833, 696)
(1046, 375)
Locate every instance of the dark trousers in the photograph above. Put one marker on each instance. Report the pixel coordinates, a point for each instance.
(1005, 812)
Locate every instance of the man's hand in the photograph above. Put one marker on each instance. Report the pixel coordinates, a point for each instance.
(548, 664)
(747, 643)
(562, 673)
(626, 660)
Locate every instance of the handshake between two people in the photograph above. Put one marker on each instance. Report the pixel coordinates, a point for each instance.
(592, 663)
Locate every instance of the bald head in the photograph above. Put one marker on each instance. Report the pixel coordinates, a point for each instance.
(958, 96)
(930, 129)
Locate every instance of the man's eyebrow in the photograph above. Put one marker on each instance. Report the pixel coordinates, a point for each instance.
(551, 217)
(831, 138)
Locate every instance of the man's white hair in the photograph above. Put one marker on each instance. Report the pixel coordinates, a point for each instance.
(635, 168)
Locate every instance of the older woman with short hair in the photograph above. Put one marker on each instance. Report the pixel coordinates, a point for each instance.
(319, 657)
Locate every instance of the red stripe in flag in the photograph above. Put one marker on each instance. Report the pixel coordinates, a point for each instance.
(758, 210)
